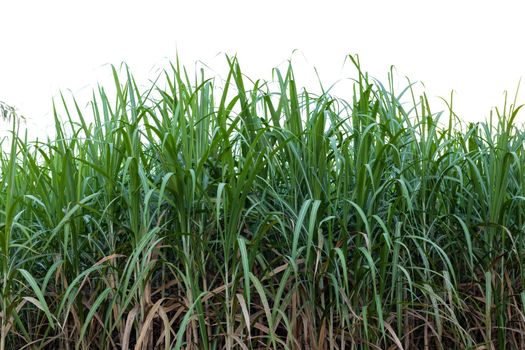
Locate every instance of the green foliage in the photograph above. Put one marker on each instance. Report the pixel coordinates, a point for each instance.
(248, 216)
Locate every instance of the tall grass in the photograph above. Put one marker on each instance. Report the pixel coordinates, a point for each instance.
(255, 216)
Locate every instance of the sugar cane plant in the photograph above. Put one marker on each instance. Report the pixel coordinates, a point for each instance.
(207, 214)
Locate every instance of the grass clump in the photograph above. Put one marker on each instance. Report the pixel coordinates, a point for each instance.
(250, 217)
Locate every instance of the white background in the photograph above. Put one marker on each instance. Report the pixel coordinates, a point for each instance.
(475, 48)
